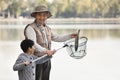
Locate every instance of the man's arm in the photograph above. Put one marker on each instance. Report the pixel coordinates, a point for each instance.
(42, 59)
(62, 38)
(30, 33)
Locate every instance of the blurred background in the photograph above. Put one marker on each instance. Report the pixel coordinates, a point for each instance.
(98, 20)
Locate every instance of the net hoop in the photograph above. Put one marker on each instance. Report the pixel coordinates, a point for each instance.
(81, 51)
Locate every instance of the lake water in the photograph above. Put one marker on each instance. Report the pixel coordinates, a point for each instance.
(100, 63)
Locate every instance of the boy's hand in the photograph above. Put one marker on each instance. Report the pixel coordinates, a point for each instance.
(27, 63)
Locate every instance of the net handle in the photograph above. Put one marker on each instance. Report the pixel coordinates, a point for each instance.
(77, 40)
(66, 44)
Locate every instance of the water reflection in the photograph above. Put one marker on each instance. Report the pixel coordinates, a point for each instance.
(17, 34)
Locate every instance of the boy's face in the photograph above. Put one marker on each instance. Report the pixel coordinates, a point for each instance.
(32, 49)
(41, 17)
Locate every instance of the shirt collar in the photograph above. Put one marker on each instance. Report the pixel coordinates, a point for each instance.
(38, 24)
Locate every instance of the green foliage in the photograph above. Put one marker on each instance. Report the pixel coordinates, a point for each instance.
(65, 8)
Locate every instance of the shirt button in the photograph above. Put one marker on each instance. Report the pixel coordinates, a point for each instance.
(33, 74)
(32, 66)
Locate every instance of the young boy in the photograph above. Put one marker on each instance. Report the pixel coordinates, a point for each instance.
(26, 69)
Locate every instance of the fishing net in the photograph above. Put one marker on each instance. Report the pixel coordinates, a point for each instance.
(78, 52)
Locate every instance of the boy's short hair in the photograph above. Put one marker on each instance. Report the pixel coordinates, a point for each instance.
(25, 44)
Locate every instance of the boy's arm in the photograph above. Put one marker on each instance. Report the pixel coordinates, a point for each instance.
(19, 64)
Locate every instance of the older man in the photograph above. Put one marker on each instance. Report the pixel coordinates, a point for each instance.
(42, 36)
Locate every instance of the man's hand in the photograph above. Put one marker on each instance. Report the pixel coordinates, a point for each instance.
(50, 52)
(73, 35)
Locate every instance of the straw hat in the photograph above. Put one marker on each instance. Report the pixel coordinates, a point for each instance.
(41, 8)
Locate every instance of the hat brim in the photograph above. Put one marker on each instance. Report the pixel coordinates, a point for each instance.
(33, 14)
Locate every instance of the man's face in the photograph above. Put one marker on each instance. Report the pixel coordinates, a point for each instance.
(41, 17)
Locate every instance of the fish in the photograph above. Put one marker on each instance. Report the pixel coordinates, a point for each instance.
(77, 41)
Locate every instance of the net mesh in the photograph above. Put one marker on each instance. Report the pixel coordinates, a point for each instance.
(81, 51)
